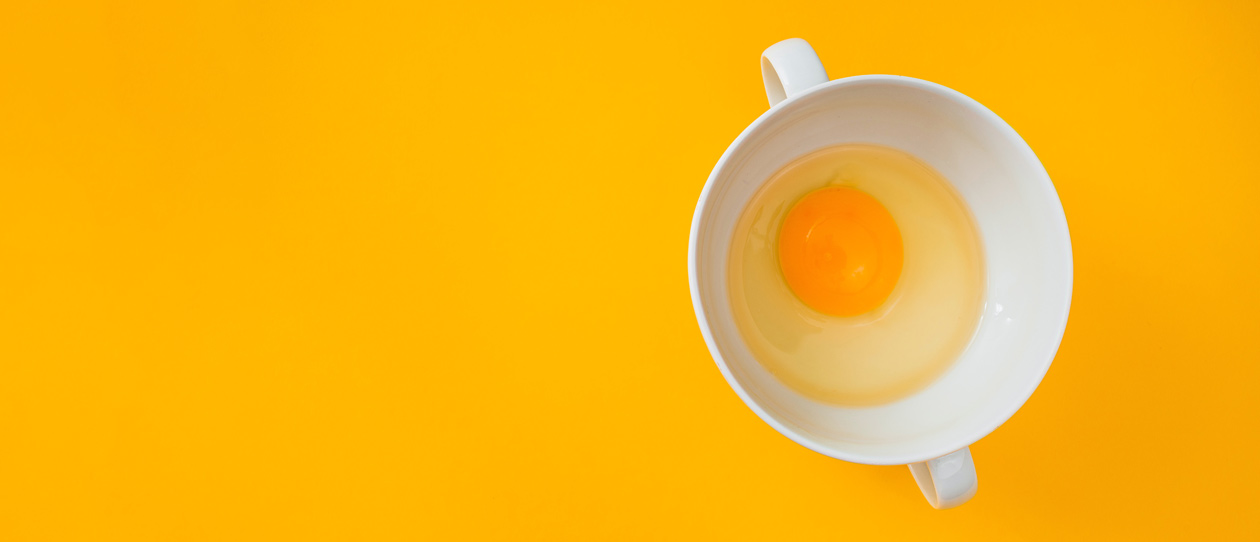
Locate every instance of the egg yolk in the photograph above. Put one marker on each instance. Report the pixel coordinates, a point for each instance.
(840, 251)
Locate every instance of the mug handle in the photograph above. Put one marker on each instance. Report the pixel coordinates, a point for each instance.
(948, 480)
(789, 67)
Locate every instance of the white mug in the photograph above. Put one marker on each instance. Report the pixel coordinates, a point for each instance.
(1027, 254)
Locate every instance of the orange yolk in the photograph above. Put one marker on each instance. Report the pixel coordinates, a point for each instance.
(840, 251)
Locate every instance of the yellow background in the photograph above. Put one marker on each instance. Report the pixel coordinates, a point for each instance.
(405, 270)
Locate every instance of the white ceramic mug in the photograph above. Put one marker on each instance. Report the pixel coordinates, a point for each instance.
(1027, 251)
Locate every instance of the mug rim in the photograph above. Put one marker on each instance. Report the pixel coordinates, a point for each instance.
(1060, 230)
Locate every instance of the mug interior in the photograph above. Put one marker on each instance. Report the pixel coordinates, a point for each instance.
(1027, 252)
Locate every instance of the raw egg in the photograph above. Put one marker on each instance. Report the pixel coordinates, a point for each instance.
(840, 251)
